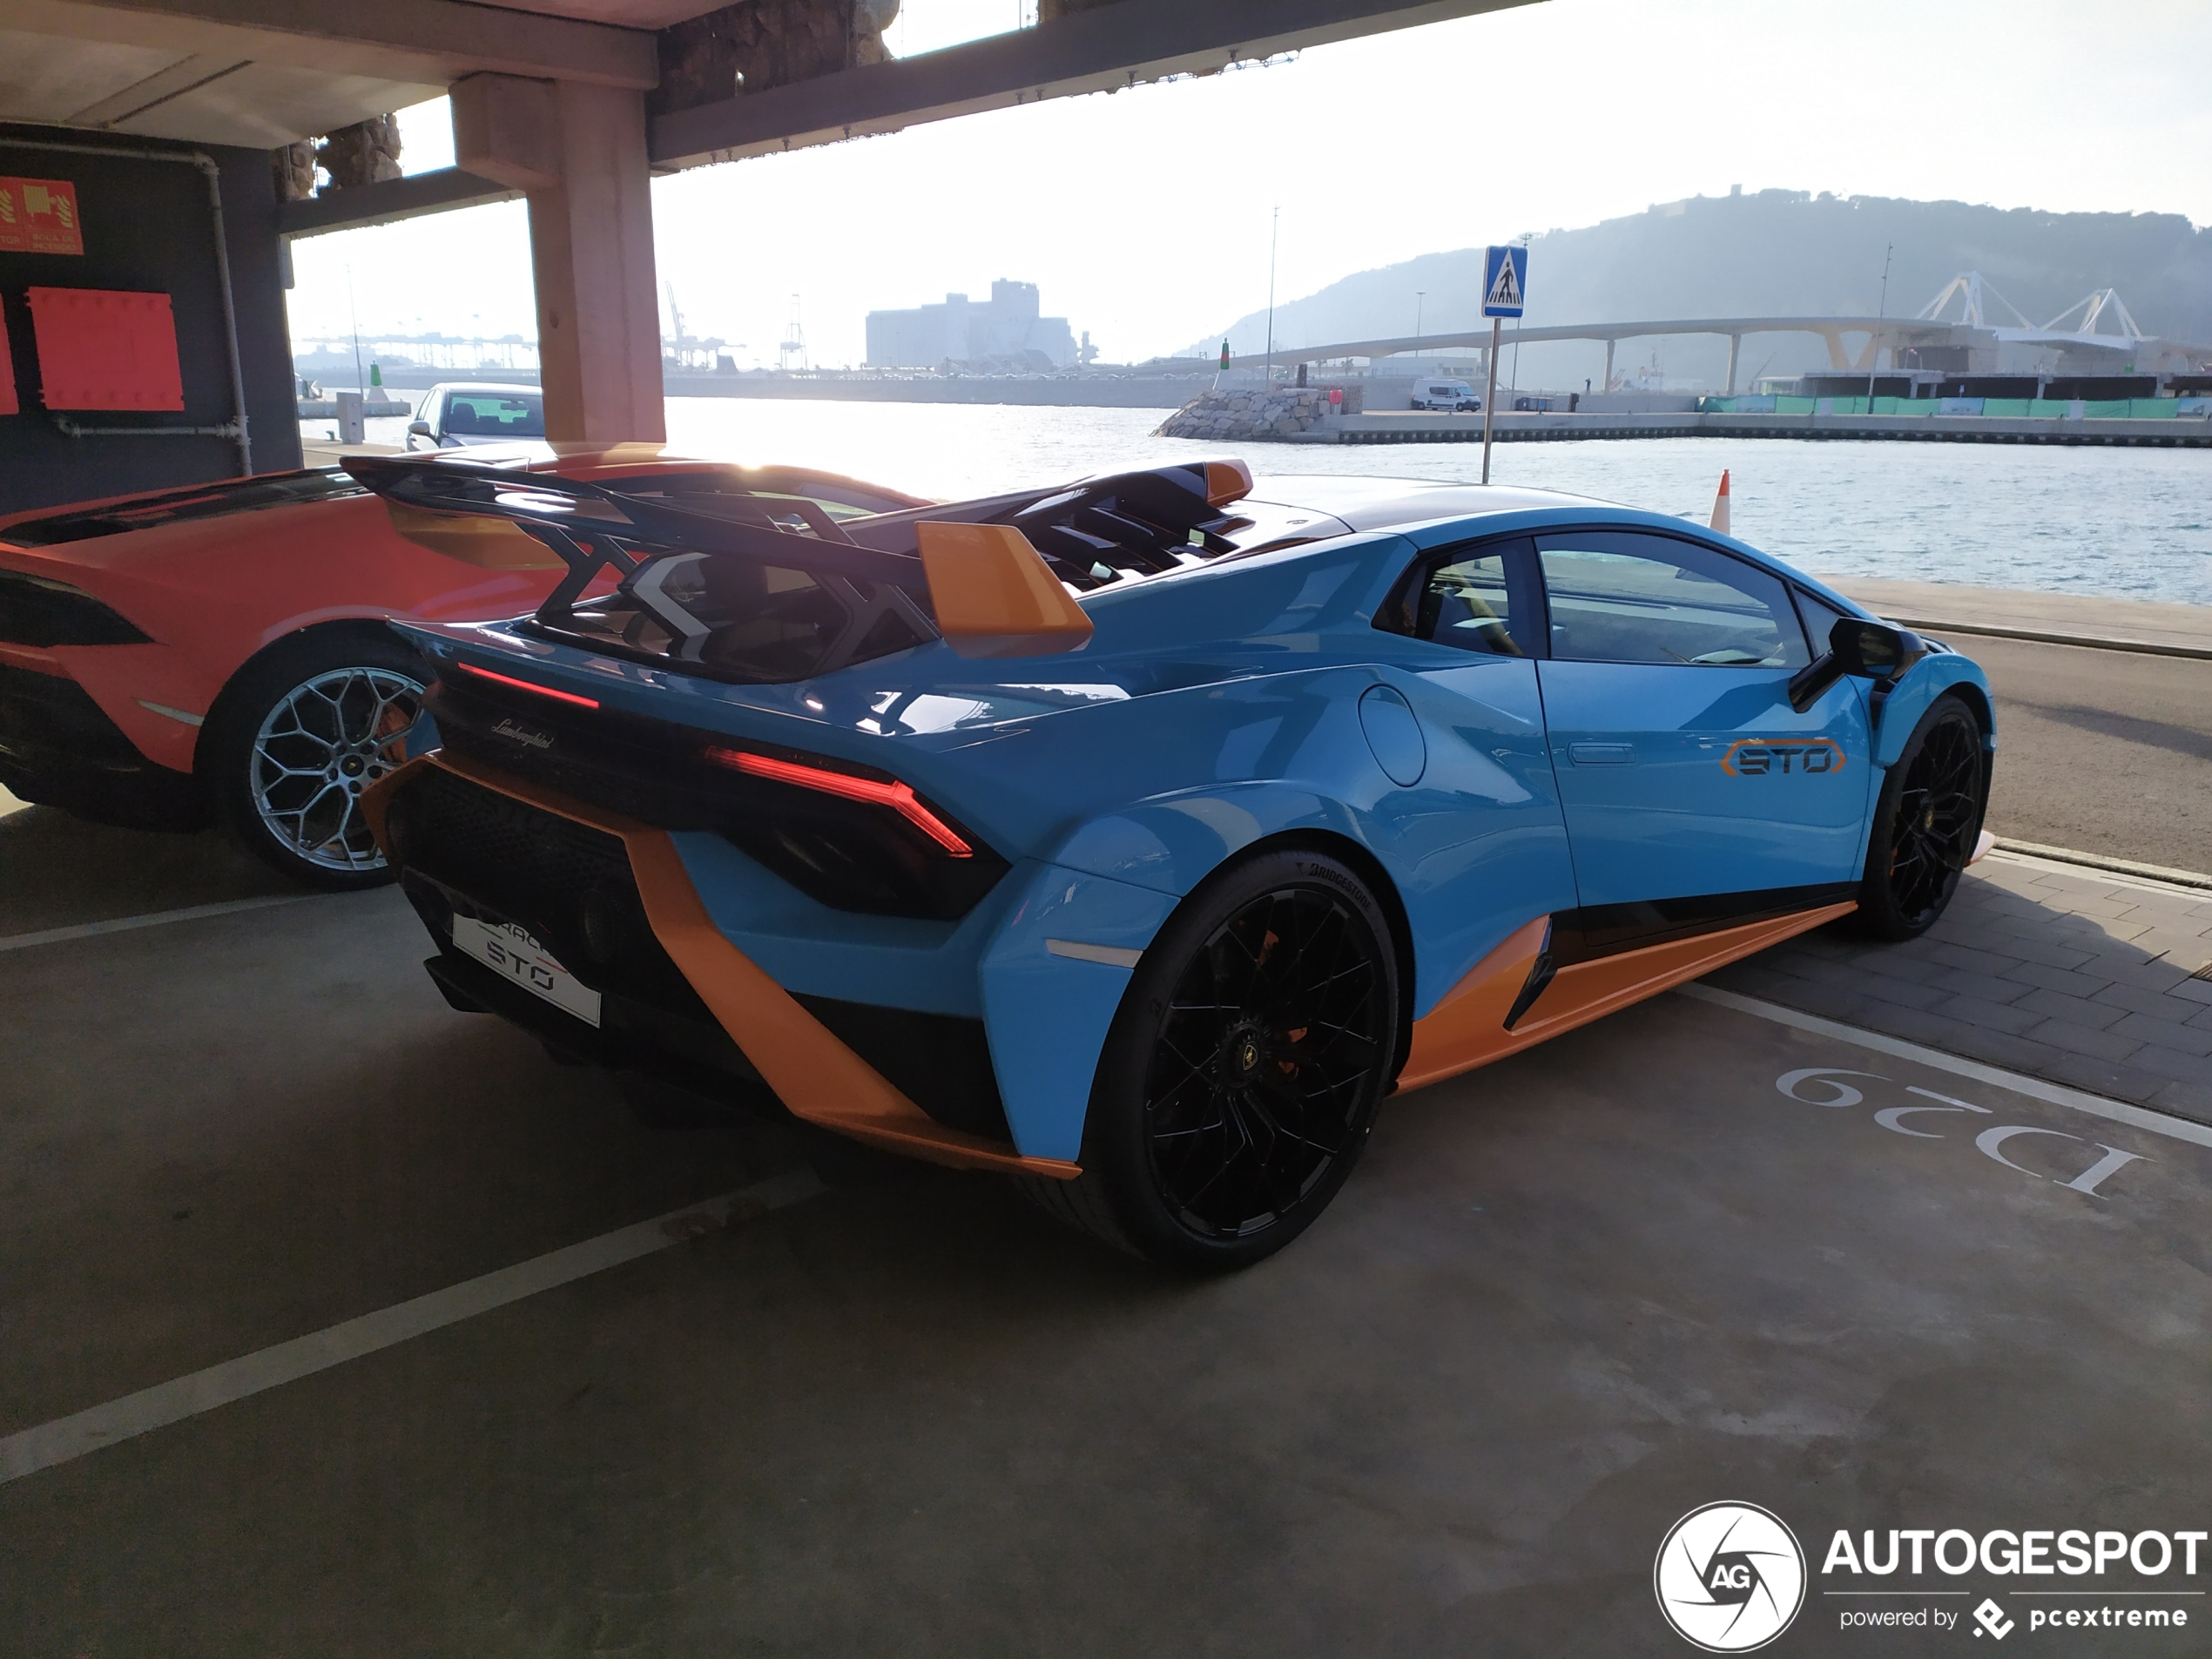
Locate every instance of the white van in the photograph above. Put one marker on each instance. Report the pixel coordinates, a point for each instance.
(1452, 397)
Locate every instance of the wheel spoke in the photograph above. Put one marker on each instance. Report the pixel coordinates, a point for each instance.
(1938, 807)
(349, 725)
(1267, 1062)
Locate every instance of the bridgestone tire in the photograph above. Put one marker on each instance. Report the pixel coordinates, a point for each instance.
(283, 763)
(1241, 1076)
(1926, 822)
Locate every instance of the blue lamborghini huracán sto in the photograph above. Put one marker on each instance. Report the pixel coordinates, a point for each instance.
(1136, 837)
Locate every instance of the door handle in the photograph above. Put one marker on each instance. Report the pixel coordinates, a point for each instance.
(1602, 754)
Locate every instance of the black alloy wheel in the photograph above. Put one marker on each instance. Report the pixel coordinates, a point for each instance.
(1243, 1069)
(1925, 824)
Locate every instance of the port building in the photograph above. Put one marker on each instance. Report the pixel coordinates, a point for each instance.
(1005, 332)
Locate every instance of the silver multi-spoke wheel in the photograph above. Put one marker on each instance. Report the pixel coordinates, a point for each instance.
(322, 744)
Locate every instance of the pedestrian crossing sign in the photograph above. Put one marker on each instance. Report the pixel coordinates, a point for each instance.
(1505, 282)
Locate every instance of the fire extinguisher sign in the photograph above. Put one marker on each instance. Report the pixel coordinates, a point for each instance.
(39, 216)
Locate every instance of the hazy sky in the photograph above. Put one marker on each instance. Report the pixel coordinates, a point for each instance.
(1144, 216)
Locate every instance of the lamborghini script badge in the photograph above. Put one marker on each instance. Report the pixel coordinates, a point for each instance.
(522, 734)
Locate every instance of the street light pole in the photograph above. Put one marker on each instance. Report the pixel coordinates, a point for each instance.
(1874, 346)
(1274, 238)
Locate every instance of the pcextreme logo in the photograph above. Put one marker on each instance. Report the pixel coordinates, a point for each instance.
(1729, 1577)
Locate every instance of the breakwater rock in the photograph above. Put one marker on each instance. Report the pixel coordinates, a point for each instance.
(1279, 412)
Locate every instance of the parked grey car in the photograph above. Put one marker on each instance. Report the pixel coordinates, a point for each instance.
(461, 412)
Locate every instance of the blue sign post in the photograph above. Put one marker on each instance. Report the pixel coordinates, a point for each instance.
(1505, 282)
(1505, 293)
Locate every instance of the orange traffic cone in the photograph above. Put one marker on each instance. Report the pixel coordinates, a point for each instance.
(1720, 506)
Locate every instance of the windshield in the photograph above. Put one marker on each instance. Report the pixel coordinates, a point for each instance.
(494, 414)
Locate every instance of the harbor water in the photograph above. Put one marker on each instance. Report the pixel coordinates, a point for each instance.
(2123, 524)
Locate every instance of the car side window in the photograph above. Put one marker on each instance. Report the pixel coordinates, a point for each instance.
(1624, 596)
(1467, 599)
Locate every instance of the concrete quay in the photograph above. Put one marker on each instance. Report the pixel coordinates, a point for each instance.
(1391, 425)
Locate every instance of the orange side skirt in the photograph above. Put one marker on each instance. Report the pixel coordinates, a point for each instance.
(816, 1076)
(1467, 1028)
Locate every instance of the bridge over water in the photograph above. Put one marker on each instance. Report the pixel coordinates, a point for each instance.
(2074, 331)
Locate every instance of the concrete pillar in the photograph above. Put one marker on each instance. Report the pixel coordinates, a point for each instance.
(1607, 383)
(1735, 344)
(578, 154)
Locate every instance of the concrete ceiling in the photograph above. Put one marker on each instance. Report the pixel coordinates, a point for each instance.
(262, 73)
(163, 92)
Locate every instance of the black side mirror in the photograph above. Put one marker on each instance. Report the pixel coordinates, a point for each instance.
(1871, 649)
(1874, 649)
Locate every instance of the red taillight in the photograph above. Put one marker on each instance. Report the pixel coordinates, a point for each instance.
(895, 795)
(525, 685)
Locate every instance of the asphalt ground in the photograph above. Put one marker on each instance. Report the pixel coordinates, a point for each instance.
(2105, 752)
(1566, 1300)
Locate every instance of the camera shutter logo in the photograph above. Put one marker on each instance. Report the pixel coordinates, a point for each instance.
(1729, 1577)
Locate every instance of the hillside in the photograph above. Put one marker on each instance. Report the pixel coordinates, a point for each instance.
(1772, 252)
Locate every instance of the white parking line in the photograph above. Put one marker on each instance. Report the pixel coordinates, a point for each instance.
(2142, 1118)
(32, 1449)
(155, 919)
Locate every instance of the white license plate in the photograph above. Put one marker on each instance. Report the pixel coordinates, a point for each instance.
(511, 951)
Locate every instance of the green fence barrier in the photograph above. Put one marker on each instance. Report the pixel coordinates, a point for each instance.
(2041, 408)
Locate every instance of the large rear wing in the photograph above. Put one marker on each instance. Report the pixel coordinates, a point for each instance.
(775, 588)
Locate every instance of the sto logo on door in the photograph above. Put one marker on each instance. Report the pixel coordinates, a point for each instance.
(1760, 757)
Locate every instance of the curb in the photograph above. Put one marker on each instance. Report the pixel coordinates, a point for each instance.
(2086, 642)
(2118, 866)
